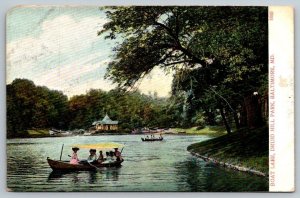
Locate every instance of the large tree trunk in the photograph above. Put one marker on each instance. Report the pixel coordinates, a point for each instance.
(225, 120)
(253, 109)
(243, 116)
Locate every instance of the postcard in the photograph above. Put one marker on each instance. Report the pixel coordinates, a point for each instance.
(150, 98)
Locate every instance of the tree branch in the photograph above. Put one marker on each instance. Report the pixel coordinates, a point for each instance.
(179, 46)
(177, 62)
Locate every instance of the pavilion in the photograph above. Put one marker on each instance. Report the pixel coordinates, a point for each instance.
(106, 124)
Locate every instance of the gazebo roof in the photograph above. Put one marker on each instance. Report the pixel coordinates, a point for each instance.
(105, 120)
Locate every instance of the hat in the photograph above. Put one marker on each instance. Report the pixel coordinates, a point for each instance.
(92, 150)
(75, 148)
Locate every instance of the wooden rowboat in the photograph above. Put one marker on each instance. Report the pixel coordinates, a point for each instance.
(152, 140)
(57, 165)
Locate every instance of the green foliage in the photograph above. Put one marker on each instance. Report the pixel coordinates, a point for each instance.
(219, 54)
(234, 37)
(199, 120)
(30, 106)
(131, 109)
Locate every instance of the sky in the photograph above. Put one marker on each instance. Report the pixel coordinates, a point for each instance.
(58, 47)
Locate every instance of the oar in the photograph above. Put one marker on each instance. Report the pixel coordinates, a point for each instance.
(121, 153)
(97, 168)
(62, 148)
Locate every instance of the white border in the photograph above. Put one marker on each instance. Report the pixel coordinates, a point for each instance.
(281, 99)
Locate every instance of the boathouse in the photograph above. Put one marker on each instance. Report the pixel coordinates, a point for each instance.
(106, 124)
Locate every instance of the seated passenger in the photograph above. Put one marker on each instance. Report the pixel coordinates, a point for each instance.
(112, 155)
(118, 154)
(74, 158)
(92, 157)
(101, 157)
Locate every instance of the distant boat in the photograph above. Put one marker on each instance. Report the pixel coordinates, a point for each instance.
(87, 133)
(152, 139)
(66, 133)
(51, 132)
(54, 132)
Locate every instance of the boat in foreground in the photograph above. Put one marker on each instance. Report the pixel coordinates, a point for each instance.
(85, 165)
(58, 165)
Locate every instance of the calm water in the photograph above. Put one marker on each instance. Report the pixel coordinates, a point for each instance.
(148, 166)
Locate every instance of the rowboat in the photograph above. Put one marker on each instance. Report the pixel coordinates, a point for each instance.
(152, 139)
(58, 165)
(65, 166)
(54, 132)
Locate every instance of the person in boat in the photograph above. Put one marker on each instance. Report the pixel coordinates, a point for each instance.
(101, 157)
(147, 137)
(74, 157)
(112, 155)
(92, 157)
(160, 136)
(109, 156)
(118, 155)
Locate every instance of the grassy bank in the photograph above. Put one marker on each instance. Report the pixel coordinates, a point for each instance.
(32, 133)
(245, 148)
(207, 130)
(38, 133)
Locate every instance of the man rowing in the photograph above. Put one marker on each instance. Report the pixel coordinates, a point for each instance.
(118, 154)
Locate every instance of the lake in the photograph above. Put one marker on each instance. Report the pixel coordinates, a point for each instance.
(148, 166)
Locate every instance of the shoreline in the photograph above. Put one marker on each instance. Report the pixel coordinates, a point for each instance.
(214, 131)
(245, 150)
(229, 165)
(44, 136)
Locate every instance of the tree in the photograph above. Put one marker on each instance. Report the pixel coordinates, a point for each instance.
(30, 106)
(228, 43)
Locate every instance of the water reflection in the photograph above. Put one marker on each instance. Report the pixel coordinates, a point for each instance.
(112, 174)
(199, 175)
(90, 177)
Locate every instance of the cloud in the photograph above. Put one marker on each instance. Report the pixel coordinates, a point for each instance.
(64, 34)
(61, 37)
(69, 56)
(72, 77)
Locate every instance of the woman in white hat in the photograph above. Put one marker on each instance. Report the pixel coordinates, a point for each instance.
(74, 158)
